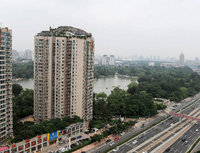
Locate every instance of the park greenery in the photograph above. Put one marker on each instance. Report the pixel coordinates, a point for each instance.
(129, 68)
(22, 102)
(170, 83)
(103, 71)
(137, 101)
(22, 70)
(122, 103)
(17, 89)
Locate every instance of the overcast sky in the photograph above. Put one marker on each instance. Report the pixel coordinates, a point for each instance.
(121, 27)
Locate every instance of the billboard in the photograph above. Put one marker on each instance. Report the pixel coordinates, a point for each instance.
(53, 135)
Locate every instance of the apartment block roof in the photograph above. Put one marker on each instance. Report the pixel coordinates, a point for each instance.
(65, 31)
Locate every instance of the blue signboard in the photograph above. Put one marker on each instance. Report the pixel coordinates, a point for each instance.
(53, 135)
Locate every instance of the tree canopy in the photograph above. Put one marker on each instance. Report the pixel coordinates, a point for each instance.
(22, 70)
(17, 89)
(23, 104)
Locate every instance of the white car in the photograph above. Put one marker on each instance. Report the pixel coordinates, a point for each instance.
(122, 133)
(62, 149)
(134, 142)
(186, 142)
(116, 149)
(144, 152)
(197, 130)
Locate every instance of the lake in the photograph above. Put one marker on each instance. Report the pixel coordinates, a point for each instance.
(105, 84)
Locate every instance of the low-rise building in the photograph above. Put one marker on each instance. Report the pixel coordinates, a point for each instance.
(40, 142)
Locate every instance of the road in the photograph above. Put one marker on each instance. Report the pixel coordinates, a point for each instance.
(161, 133)
(184, 142)
(157, 134)
(170, 128)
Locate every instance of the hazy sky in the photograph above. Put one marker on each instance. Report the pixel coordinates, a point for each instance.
(121, 27)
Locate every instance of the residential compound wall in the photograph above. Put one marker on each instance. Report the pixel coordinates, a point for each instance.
(63, 74)
(6, 117)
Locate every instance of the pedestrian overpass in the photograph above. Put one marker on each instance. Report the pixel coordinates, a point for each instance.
(185, 116)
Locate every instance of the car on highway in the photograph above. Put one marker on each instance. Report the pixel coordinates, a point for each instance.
(140, 136)
(197, 130)
(134, 142)
(116, 149)
(183, 140)
(186, 142)
(168, 149)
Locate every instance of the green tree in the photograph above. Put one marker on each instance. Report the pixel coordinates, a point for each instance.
(23, 70)
(16, 89)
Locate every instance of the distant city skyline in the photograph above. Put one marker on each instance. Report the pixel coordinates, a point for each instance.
(162, 28)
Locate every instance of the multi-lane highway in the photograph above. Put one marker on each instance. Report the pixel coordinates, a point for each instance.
(159, 131)
(175, 134)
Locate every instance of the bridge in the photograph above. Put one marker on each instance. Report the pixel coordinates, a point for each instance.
(185, 116)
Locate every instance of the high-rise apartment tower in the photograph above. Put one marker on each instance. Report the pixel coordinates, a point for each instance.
(63, 74)
(6, 117)
(104, 59)
(181, 60)
(112, 60)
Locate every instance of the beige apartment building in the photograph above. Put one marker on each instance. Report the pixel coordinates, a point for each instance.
(63, 73)
(6, 109)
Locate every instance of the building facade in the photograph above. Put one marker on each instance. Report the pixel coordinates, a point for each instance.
(181, 60)
(63, 74)
(108, 60)
(6, 117)
(15, 56)
(28, 55)
(112, 60)
(104, 60)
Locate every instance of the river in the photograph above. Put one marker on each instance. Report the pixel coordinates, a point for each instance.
(105, 84)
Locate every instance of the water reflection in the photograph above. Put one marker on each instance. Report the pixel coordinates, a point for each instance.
(105, 84)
